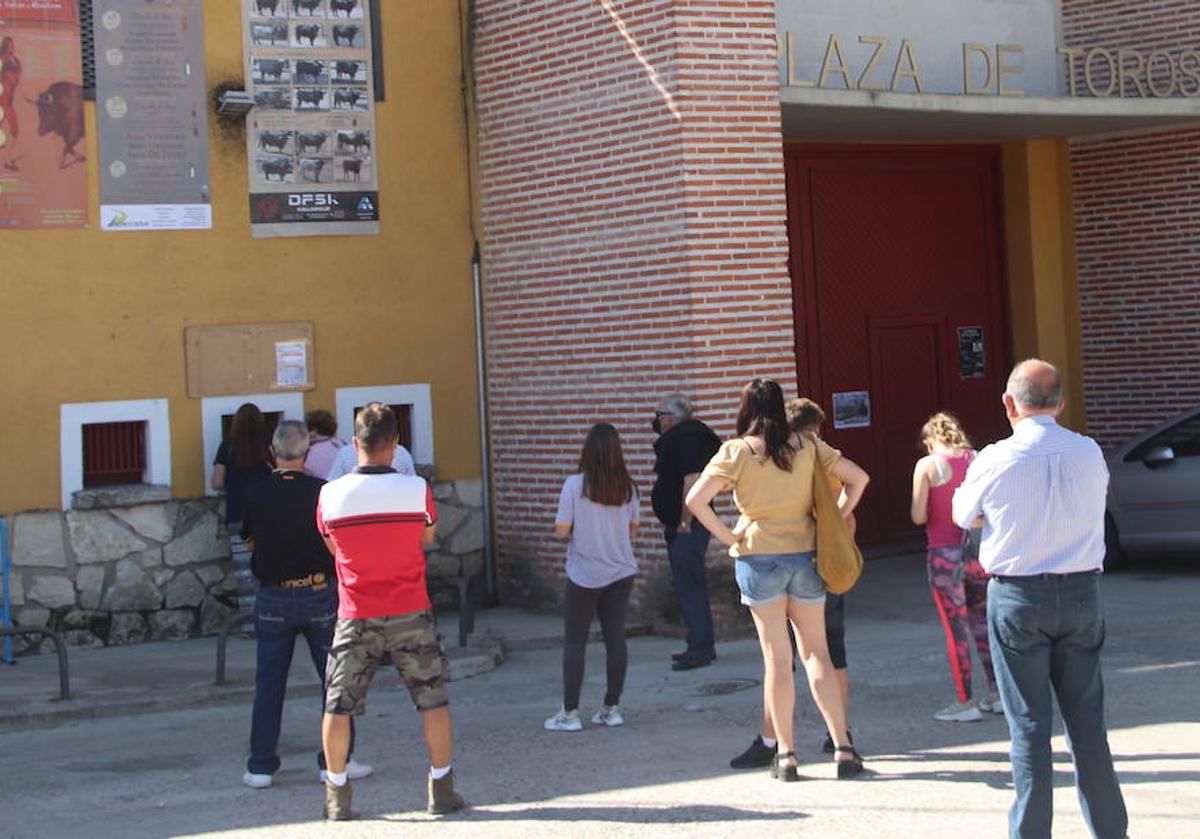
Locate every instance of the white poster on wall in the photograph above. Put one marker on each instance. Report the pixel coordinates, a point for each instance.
(852, 409)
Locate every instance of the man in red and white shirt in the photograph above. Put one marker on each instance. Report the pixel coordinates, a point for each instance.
(376, 523)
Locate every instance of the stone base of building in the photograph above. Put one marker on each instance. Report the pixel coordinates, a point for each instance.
(130, 564)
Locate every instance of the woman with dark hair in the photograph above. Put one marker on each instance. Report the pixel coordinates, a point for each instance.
(598, 514)
(770, 469)
(242, 458)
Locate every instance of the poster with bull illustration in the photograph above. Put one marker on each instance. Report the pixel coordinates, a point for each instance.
(151, 108)
(43, 175)
(311, 135)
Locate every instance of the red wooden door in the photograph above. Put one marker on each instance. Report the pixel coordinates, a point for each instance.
(895, 250)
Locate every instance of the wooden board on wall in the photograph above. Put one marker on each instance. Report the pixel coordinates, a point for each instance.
(249, 358)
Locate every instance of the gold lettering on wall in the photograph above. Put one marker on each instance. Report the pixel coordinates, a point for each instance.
(969, 86)
(1157, 57)
(989, 71)
(1090, 79)
(880, 43)
(913, 71)
(1003, 68)
(1073, 55)
(787, 52)
(835, 64)
(1137, 73)
(1189, 68)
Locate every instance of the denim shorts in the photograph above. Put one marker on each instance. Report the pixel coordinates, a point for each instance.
(763, 578)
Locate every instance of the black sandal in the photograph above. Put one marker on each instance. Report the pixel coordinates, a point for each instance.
(784, 773)
(849, 768)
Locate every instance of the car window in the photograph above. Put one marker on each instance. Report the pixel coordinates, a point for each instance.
(1183, 438)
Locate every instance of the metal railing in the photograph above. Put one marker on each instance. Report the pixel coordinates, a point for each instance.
(466, 624)
(232, 622)
(5, 605)
(64, 673)
(8, 631)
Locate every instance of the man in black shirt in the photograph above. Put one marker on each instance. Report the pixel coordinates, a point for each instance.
(298, 593)
(683, 449)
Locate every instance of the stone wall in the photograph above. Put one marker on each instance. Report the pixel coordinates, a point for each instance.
(130, 564)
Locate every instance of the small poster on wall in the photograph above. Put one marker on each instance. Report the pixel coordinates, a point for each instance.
(852, 409)
(291, 363)
(151, 107)
(971, 361)
(311, 136)
(43, 175)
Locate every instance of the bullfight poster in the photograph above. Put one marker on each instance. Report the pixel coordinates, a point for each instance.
(151, 109)
(311, 134)
(43, 177)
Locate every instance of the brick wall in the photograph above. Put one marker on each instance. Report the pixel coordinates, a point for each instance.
(1137, 211)
(634, 240)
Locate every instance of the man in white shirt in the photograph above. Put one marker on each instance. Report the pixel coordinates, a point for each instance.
(1041, 495)
(346, 460)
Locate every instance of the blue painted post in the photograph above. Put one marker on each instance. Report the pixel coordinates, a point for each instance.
(5, 606)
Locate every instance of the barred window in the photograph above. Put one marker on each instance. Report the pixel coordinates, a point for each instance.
(114, 453)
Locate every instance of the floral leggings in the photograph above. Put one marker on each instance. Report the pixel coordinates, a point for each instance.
(959, 586)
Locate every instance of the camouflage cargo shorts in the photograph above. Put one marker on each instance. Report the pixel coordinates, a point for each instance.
(359, 646)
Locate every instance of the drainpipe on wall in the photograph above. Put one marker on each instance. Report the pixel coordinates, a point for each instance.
(485, 454)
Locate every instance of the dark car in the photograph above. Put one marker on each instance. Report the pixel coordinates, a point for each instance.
(1154, 492)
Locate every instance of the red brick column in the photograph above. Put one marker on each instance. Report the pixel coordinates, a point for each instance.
(634, 239)
(1137, 216)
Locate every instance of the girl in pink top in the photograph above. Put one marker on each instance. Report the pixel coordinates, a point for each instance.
(957, 579)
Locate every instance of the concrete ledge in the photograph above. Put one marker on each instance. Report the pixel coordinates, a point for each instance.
(171, 676)
(811, 114)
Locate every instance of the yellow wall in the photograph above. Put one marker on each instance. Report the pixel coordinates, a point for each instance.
(1043, 289)
(87, 316)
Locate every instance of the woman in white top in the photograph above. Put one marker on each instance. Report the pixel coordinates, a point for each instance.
(598, 515)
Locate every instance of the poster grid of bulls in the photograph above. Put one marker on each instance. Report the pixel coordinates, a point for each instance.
(151, 108)
(43, 176)
(311, 134)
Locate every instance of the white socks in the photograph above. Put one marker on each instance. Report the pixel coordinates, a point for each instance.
(769, 742)
(438, 773)
(338, 779)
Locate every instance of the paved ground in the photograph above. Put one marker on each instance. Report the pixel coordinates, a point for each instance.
(665, 773)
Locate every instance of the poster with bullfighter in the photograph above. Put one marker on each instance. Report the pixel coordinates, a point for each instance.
(43, 176)
(151, 113)
(311, 133)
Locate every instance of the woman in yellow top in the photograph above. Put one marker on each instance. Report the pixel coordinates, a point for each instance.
(770, 470)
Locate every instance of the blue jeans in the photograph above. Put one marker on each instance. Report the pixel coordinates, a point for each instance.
(1046, 632)
(280, 615)
(686, 550)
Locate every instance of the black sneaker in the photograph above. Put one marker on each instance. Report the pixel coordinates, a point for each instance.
(692, 661)
(829, 748)
(758, 756)
(682, 654)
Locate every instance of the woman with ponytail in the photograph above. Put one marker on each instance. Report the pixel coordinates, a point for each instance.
(771, 469)
(958, 581)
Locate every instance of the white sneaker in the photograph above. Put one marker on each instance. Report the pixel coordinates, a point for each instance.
(991, 703)
(608, 715)
(564, 720)
(959, 712)
(354, 771)
(255, 780)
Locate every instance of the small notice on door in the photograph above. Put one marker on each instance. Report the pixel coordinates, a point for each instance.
(971, 361)
(291, 364)
(852, 409)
